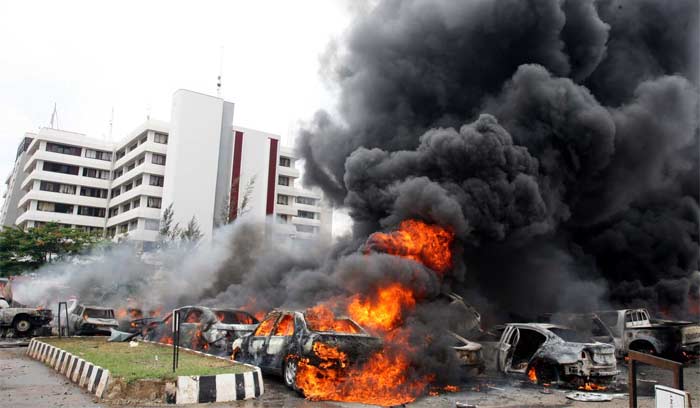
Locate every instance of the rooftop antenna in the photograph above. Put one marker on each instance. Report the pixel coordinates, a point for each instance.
(54, 117)
(111, 123)
(221, 69)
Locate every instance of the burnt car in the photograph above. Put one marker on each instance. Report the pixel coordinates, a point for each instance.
(284, 338)
(552, 354)
(24, 322)
(202, 329)
(468, 353)
(91, 320)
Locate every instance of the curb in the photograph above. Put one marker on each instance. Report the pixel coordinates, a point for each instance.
(217, 388)
(82, 373)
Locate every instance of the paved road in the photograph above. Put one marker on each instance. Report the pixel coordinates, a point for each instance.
(25, 383)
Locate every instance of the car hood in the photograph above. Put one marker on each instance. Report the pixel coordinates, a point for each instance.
(101, 322)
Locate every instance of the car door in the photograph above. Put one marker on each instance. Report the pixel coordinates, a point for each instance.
(76, 318)
(506, 347)
(258, 339)
(276, 346)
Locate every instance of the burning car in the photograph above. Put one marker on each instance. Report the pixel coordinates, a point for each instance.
(551, 354)
(468, 353)
(91, 320)
(202, 329)
(284, 340)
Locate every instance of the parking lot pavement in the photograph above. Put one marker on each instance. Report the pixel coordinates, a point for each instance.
(26, 383)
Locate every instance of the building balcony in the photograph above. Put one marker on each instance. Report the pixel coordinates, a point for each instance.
(143, 189)
(149, 146)
(72, 219)
(306, 207)
(75, 199)
(288, 171)
(67, 159)
(285, 209)
(143, 168)
(138, 212)
(77, 180)
(306, 221)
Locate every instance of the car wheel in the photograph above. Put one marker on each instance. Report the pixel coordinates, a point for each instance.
(22, 325)
(290, 373)
(547, 373)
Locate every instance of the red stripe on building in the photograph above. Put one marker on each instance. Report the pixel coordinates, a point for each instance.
(271, 177)
(235, 175)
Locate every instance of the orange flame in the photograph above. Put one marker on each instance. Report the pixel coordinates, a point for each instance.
(416, 240)
(589, 386)
(531, 375)
(383, 312)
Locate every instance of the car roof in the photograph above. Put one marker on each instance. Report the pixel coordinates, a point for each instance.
(541, 326)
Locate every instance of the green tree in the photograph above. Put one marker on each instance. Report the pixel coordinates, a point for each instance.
(191, 234)
(22, 250)
(168, 232)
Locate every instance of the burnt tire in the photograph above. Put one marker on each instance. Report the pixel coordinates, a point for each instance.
(547, 373)
(22, 325)
(289, 373)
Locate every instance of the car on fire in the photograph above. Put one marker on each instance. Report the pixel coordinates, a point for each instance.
(91, 320)
(551, 354)
(202, 328)
(285, 338)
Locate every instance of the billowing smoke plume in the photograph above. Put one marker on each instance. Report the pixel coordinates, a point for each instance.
(559, 139)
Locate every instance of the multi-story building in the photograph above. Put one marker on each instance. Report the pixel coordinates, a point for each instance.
(207, 169)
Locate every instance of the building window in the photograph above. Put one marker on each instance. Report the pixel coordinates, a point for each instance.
(152, 225)
(98, 154)
(128, 187)
(57, 187)
(282, 218)
(307, 228)
(132, 147)
(306, 200)
(285, 162)
(136, 203)
(123, 227)
(126, 207)
(283, 180)
(63, 149)
(61, 168)
(154, 202)
(111, 231)
(306, 214)
(141, 160)
(118, 173)
(93, 192)
(133, 224)
(155, 180)
(158, 159)
(116, 191)
(138, 181)
(95, 173)
(91, 211)
(282, 199)
(143, 140)
(160, 138)
(113, 211)
(54, 207)
(121, 154)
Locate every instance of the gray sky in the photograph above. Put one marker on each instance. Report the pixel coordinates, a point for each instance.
(91, 57)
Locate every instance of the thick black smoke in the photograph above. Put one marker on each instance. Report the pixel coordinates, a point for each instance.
(558, 138)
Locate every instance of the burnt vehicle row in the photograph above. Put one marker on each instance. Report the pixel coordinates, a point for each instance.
(17, 320)
(635, 329)
(201, 328)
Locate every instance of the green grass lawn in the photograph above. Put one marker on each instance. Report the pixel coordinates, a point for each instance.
(143, 361)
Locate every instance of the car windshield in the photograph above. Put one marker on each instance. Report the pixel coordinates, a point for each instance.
(571, 335)
(235, 317)
(99, 313)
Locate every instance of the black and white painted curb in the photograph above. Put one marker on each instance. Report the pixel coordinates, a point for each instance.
(83, 373)
(217, 388)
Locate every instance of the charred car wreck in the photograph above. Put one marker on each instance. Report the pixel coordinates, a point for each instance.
(202, 329)
(284, 338)
(551, 354)
(91, 320)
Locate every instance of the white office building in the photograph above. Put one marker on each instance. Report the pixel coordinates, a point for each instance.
(198, 162)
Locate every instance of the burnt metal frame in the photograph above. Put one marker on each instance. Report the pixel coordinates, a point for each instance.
(635, 356)
(176, 339)
(65, 307)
